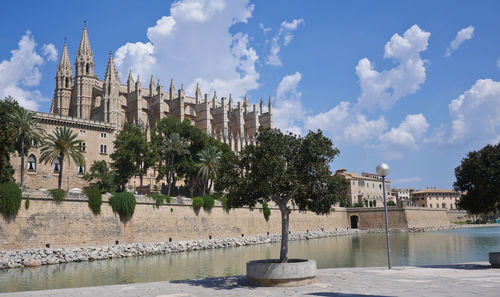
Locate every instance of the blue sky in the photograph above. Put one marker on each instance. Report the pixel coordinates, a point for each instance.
(416, 85)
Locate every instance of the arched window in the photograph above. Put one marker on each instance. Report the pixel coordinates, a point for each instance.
(56, 165)
(81, 169)
(87, 67)
(31, 163)
(66, 83)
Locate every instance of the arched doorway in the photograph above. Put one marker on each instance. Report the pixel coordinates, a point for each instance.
(354, 222)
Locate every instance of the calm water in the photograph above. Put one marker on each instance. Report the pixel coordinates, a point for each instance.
(445, 247)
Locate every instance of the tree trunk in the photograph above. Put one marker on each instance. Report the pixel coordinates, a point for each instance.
(22, 161)
(169, 175)
(284, 233)
(59, 180)
(210, 186)
(140, 183)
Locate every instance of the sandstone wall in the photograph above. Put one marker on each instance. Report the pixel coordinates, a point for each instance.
(458, 216)
(71, 223)
(425, 217)
(374, 218)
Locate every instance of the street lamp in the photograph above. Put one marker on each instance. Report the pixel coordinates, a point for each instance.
(383, 170)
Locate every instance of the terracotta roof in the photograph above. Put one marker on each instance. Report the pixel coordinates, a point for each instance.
(435, 191)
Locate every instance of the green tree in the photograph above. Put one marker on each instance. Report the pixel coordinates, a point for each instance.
(173, 146)
(103, 175)
(132, 154)
(8, 106)
(28, 132)
(292, 171)
(209, 159)
(478, 178)
(62, 144)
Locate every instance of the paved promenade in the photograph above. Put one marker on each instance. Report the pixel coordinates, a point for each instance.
(452, 280)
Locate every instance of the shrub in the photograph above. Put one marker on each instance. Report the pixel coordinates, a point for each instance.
(124, 204)
(371, 203)
(27, 202)
(197, 202)
(95, 199)
(391, 203)
(358, 204)
(374, 203)
(10, 199)
(208, 202)
(223, 202)
(266, 211)
(57, 194)
(366, 202)
(160, 199)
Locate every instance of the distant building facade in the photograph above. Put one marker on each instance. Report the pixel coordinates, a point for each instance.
(367, 186)
(402, 196)
(97, 110)
(436, 198)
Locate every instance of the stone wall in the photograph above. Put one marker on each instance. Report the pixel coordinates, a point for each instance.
(71, 223)
(458, 216)
(408, 217)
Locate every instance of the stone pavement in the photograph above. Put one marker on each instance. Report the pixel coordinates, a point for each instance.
(445, 280)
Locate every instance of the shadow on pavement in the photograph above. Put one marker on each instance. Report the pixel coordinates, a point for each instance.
(331, 294)
(459, 266)
(218, 283)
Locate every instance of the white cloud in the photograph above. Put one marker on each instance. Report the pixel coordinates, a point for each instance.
(346, 125)
(285, 34)
(264, 28)
(50, 51)
(462, 35)
(288, 110)
(193, 44)
(475, 115)
(383, 89)
(22, 71)
(405, 137)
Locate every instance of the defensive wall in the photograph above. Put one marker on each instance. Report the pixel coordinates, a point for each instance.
(400, 218)
(72, 223)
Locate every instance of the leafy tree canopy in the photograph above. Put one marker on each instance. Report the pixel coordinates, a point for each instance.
(478, 177)
(292, 171)
(8, 137)
(103, 176)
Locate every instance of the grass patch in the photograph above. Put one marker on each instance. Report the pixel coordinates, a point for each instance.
(160, 199)
(197, 202)
(208, 202)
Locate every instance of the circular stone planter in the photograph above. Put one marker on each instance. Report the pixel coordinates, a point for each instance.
(272, 273)
(495, 259)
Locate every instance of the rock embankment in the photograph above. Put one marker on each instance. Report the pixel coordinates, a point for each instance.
(46, 256)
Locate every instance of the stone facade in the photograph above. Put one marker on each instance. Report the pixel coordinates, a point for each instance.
(436, 198)
(402, 196)
(367, 186)
(90, 107)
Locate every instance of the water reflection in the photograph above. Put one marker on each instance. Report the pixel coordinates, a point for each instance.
(457, 246)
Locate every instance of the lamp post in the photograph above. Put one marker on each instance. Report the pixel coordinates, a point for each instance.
(383, 170)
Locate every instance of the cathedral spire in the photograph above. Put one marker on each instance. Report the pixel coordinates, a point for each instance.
(230, 101)
(151, 86)
(138, 83)
(64, 63)
(84, 48)
(110, 70)
(261, 106)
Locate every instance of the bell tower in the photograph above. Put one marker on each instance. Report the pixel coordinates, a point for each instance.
(84, 78)
(64, 84)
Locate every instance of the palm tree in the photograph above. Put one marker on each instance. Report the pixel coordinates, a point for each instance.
(28, 132)
(209, 163)
(62, 144)
(172, 146)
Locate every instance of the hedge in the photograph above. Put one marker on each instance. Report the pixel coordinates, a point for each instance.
(208, 202)
(160, 199)
(197, 202)
(10, 199)
(123, 204)
(266, 211)
(95, 199)
(57, 194)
